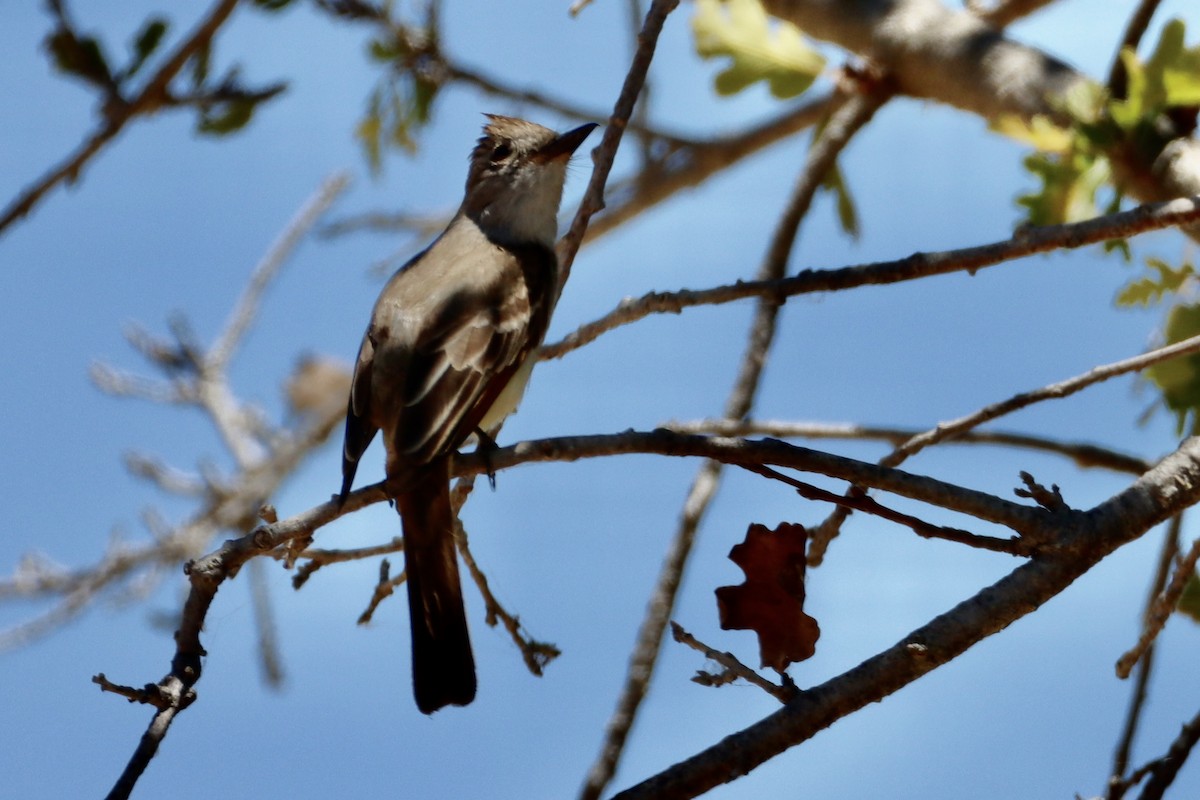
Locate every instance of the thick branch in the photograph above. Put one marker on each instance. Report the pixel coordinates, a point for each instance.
(1163, 491)
(952, 56)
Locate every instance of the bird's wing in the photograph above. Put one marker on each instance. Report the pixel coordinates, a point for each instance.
(463, 360)
(359, 428)
(447, 334)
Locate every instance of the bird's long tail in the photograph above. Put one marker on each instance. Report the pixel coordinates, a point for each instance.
(443, 666)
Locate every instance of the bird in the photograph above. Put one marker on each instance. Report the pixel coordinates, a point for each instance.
(446, 355)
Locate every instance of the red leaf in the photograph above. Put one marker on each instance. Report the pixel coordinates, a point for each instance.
(771, 601)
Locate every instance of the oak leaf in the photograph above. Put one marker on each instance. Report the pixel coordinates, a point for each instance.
(771, 601)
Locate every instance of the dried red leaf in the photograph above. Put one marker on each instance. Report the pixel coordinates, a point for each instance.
(771, 601)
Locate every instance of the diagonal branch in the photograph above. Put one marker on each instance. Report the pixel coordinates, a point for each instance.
(1082, 453)
(849, 119)
(605, 153)
(949, 430)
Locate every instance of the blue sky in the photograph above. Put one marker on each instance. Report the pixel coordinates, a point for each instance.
(164, 222)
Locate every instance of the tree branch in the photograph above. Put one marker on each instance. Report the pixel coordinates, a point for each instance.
(118, 113)
(1084, 454)
(1163, 491)
(1025, 242)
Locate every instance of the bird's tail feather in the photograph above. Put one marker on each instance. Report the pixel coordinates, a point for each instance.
(443, 666)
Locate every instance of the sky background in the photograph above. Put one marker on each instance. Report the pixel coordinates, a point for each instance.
(165, 222)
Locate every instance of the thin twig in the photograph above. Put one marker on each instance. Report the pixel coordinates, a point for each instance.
(384, 588)
(1163, 770)
(824, 533)
(687, 167)
(1084, 454)
(1013, 546)
(319, 558)
(730, 662)
(1162, 609)
(1139, 21)
(605, 153)
(246, 309)
(1117, 783)
(535, 653)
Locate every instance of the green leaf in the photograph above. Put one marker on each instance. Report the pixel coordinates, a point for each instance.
(226, 117)
(200, 63)
(1128, 112)
(387, 50)
(1180, 69)
(1169, 78)
(81, 57)
(835, 182)
(1189, 601)
(1039, 132)
(741, 30)
(1150, 289)
(369, 132)
(1070, 182)
(145, 43)
(1083, 102)
(272, 5)
(1179, 378)
(1166, 53)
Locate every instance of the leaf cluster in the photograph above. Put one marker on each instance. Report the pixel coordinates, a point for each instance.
(402, 101)
(1072, 164)
(223, 104)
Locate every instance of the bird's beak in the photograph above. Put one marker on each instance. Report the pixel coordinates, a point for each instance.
(565, 144)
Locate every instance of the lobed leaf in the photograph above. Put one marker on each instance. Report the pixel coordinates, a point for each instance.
(742, 31)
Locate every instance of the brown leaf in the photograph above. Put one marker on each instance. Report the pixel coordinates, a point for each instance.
(771, 601)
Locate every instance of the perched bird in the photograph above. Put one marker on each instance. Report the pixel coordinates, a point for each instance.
(446, 355)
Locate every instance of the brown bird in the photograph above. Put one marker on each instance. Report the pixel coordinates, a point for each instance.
(446, 355)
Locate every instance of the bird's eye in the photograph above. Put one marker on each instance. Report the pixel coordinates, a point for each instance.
(501, 152)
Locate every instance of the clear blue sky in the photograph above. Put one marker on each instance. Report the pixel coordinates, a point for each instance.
(164, 222)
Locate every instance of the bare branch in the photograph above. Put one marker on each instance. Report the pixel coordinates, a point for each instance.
(384, 588)
(1084, 454)
(940, 53)
(265, 271)
(1163, 770)
(1161, 610)
(730, 662)
(1012, 546)
(603, 155)
(320, 558)
(1117, 783)
(1026, 242)
(823, 534)
(535, 653)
